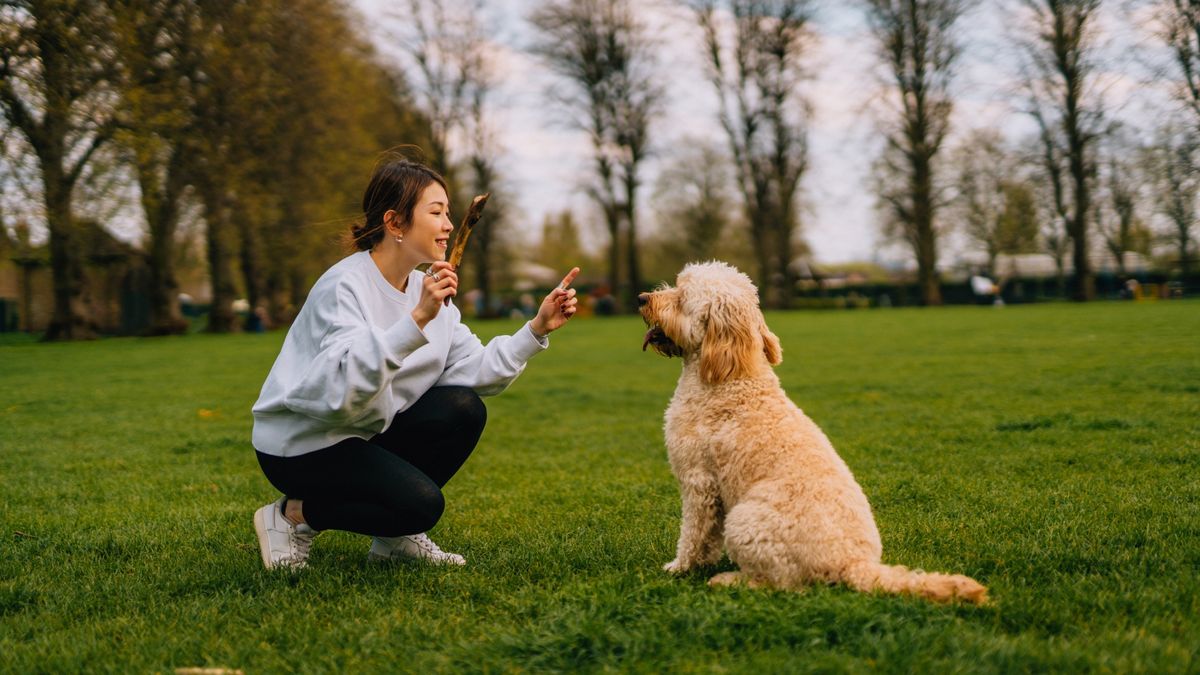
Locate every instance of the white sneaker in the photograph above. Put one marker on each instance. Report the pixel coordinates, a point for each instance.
(282, 544)
(412, 547)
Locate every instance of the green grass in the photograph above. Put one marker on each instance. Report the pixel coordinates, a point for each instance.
(1050, 451)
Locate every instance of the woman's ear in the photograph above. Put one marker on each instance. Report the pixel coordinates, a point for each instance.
(392, 223)
(728, 350)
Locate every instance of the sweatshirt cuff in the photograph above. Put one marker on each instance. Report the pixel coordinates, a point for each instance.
(405, 337)
(527, 343)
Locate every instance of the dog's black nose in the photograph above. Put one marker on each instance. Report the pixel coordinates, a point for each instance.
(643, 298)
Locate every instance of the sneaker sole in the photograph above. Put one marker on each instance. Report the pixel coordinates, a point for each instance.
(264, 544)
(381, 558)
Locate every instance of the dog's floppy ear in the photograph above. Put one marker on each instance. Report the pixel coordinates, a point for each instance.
(771, 346)
(728, 350)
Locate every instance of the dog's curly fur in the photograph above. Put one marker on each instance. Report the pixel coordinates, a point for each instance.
(758, 478)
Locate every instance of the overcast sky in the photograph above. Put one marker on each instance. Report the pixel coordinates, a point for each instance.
(544, 162)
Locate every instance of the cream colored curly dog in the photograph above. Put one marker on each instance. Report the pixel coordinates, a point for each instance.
(756, 474)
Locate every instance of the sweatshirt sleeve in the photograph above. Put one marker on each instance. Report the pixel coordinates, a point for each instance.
(354, 362)
(489, 369)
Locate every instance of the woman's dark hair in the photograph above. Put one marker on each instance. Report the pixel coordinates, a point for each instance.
(396, 185)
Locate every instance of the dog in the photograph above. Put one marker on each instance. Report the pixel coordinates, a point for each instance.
(758, 478)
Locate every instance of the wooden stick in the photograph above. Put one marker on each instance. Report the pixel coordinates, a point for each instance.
(464, 231)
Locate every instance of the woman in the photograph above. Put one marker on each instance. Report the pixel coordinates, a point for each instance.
(373, 403)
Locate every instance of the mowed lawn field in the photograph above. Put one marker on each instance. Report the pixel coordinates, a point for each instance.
(1051, 451)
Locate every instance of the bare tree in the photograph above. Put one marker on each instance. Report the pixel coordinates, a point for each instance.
(447, 44)
(1177, 181)
(1180, 30)
(694, 200)
(982, 169)
(486, 255)
(993, 198)
(1058, 79)
(444, 47)
(917, 42)
(1172, 161)
(603, 50)
(57, 87)
(1118, 188)
(756, 68)
(695, 207)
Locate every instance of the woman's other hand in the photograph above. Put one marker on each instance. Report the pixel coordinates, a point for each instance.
(557, 308)
(439, 283)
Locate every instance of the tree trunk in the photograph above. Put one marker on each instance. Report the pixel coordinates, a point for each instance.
(161, 208)
(1085, 281)
(1185, 263)
(217, 213)
(926, 237)
(631, 244)
(69, 320)
(251, 266)
(612, 218)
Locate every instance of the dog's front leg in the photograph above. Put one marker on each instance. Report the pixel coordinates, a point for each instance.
(702, 526)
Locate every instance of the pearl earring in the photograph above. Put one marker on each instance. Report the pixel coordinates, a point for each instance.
(399, 240)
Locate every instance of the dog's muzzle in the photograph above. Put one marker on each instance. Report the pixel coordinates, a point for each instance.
(655, 337)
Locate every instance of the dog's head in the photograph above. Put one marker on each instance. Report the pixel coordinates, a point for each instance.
(711, 312)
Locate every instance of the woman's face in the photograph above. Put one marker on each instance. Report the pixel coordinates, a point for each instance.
(430, 232)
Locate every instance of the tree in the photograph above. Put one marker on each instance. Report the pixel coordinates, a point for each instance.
(1117, 198)
(602, 49)
(1176, 182)
(561, 245)
(58, 81)
(756, 69)
(1049, 192)
(695, 208)
(1180, 30)
(448, 48)
(157, 46)
(917, 43)
(1172, 161)
(992, 197)
(1058, 77)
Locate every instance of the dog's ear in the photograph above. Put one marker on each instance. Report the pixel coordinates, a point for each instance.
(728, 350)
(771, 346)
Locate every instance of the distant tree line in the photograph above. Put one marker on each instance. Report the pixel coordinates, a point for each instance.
(255, 124)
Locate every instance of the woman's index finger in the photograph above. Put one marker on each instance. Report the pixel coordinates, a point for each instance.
(569, 278)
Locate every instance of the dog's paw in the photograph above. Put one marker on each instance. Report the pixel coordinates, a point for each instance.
(675, 567)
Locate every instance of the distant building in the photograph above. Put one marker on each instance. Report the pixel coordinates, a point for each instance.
(115, 286)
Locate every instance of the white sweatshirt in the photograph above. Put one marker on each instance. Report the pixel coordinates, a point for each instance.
(354, 358)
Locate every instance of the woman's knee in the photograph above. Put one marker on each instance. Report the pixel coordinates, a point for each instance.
(462, 406)
(424, 509)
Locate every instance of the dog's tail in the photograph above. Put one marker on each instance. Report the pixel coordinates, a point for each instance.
(873, 576)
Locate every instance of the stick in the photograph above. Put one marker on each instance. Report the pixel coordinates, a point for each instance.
(464, 231)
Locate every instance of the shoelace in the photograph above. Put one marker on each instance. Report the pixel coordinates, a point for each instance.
(301, 542)
(426, 543)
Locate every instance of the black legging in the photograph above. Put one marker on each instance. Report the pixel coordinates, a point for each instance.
(391, 484)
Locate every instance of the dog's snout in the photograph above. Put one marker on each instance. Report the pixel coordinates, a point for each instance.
(643, 299)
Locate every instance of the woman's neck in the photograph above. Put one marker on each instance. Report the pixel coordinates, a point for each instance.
(392, 264)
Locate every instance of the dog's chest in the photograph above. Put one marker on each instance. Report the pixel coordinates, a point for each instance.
(694, 422)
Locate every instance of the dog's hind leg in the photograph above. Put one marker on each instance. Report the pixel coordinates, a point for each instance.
(755, 537)
(737, 578)
(702, 524)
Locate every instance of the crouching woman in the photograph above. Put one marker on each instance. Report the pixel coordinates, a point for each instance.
(374, 401)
